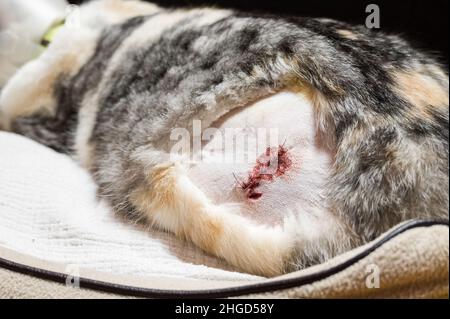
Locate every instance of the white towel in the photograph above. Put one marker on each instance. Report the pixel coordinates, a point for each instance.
(48, 209)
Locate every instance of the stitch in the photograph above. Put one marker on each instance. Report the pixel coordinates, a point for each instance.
(263, 170)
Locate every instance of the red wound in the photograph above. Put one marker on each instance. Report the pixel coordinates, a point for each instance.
(273, 163)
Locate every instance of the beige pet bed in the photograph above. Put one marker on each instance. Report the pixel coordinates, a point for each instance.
(409, 261)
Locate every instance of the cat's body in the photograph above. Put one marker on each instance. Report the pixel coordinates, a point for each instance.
(373, 137)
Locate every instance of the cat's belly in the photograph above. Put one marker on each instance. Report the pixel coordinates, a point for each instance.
(268, 159)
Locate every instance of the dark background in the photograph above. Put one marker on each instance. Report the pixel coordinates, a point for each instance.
(423, 22)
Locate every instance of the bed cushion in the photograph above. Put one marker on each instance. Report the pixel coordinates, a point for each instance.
(412, 262)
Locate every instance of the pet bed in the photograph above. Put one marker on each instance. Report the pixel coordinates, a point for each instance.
(57, 241)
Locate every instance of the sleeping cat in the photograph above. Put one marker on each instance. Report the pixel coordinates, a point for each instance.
(361, 121)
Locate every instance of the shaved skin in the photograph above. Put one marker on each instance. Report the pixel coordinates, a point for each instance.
(287, 174)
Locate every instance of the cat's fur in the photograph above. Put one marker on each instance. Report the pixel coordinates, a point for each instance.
(109, 93)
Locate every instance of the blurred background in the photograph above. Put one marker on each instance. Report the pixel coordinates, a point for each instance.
(425, 23)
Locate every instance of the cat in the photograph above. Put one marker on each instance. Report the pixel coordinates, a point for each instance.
(364, 120)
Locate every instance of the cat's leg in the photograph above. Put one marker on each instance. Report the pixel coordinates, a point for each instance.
(168, 199)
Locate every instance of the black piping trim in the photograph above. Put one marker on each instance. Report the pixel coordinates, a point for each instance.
(221, 292)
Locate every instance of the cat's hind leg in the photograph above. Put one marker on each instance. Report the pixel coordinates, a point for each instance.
(169, 200)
